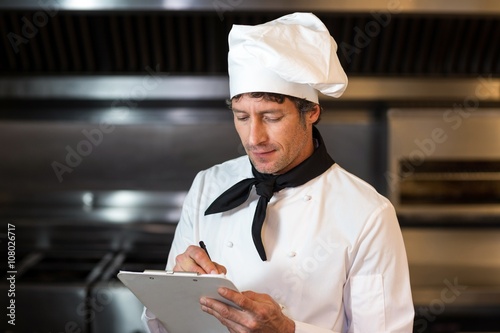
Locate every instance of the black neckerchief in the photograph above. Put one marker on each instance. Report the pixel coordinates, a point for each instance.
(267, 184)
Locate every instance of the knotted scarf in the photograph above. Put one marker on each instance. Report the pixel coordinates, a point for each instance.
(267, 184)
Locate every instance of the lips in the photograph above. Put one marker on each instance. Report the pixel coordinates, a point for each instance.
(262, 153)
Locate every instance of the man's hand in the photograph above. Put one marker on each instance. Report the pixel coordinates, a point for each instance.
(195, 259)
(260, 313)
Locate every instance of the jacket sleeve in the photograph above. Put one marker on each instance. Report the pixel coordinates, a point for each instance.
(377, 294)
(184, 236)
(301, 327)
(151, 324)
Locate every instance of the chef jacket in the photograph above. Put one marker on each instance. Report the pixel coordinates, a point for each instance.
(336, 258)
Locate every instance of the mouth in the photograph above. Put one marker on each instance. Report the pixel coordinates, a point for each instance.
(261, 154)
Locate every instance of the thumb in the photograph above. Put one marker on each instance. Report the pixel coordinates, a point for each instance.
(220, 269)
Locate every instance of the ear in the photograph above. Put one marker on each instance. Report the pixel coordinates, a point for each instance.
(313, 115)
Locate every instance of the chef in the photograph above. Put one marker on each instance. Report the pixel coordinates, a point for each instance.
(312, 247)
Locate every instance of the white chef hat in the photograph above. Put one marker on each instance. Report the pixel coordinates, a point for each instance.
(292, 55)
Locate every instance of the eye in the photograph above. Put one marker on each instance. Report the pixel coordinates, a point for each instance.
(273, 119)
(242, 118)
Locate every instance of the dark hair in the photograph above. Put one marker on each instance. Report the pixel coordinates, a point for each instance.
(302, 105)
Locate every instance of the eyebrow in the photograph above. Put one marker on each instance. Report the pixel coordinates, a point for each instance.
(273, 111)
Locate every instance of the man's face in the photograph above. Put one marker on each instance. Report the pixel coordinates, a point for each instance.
(274, 137)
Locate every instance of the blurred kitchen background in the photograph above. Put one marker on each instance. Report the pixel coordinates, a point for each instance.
(109, 108)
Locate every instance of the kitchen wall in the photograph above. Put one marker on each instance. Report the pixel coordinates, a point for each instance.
(107, 111)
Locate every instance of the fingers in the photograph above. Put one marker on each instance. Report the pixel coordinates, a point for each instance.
(260, 313)
(240, 299)
(220, 269)
(226, 314)
(195, 259)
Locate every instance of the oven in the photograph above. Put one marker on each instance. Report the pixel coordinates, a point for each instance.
(444, 180)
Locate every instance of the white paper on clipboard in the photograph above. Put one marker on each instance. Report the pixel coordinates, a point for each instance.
(174, 297)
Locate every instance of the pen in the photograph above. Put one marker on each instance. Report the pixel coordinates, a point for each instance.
(203, 246)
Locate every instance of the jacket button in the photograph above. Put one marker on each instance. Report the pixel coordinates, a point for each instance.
(292, 254)
(229, 244)
(307, 197)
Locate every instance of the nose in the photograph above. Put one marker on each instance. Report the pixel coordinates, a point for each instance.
(257, 134)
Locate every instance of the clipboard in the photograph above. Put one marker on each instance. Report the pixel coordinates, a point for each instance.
(174, 297)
